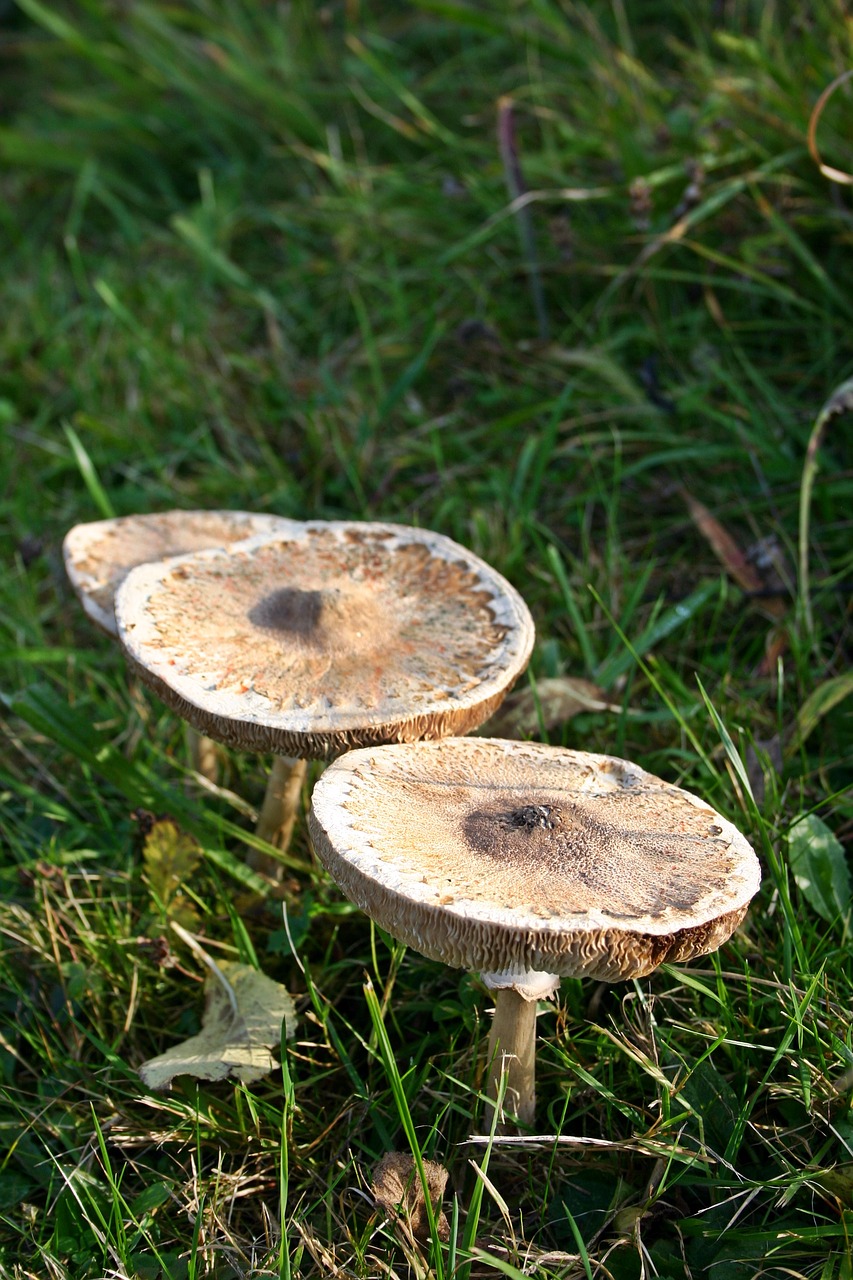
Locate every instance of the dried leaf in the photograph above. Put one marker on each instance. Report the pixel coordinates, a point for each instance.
(170, 857)
(559, 698)
(242, 1021)
(820, 869)
(729, 554)
(775, 643)
(397, 1189)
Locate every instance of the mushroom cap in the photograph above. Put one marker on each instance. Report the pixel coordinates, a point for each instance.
(100, 554)
(512, 857)
(326, 636)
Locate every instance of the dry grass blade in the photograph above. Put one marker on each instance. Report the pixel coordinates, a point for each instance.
(840, 402)
(834, 175)
(655, 1148)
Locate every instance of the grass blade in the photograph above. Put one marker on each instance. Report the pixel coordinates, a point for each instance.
(86, 467)
(389, 1063)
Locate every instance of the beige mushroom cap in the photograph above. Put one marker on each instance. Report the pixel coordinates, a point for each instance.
(517, 858)
(327, 636)
(100, 554)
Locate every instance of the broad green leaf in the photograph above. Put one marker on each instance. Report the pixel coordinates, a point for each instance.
(242, 1021)
(820, 869)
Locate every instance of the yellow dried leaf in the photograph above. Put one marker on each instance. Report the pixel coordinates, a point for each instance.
(170, 857)
(242, 1022)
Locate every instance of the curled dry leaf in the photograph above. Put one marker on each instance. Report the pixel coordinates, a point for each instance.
(397, 1189)
(242, 1021)
(559, 698)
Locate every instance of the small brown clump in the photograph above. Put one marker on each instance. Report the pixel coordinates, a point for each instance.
(397, 1189)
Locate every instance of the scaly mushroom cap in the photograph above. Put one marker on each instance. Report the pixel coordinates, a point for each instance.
(327, 636)
(516, 858)
(99, 555)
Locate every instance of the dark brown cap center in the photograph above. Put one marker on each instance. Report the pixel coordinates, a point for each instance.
(330, 621)
(536, 815)
(562, 853)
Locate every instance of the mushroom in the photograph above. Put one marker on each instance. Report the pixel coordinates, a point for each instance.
(327, 636)
(100, 553)
(527, 863)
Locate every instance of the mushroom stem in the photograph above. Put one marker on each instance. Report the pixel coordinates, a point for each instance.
(278, 812)
(202, 754)
(512, 1051)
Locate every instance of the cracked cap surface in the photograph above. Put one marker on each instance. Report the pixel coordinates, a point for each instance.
(510, 856)
(327, 636)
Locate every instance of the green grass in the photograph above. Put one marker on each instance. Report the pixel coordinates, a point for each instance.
(262, 256)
